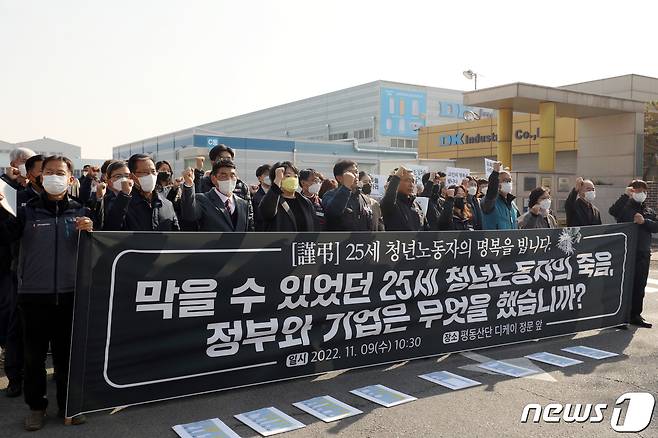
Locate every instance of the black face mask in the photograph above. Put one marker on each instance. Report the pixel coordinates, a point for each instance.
(459, 203)
(366, 189)
(163, 177)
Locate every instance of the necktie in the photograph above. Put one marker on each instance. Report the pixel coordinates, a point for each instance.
(228, 205)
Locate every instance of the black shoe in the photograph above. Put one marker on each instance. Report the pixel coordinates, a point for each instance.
(34, 420)
(14, 389)
(640, 322)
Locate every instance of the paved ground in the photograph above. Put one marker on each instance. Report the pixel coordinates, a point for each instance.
(492, 409)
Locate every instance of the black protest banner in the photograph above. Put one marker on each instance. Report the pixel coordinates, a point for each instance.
(163, 315)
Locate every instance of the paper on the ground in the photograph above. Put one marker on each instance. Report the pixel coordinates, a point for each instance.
(589, 352)
(450, 380)
(9, 203)
(455, 175)
(212, 428)
(488, 167)
(327, 408)
(424, 203)
(554, 359)
(269, 421)
(383, 395)
(507, 369)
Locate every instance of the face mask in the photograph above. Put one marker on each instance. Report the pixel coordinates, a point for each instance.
(116, 185)
(227, 186)
(314, 188)
(366, 189)
(590, 196)
(55, 184)
(545, 204)
(290, 184)
(147, 182)
(472, 190)
(639, 197)
(506, 187)
(483, 190)
(84, 173)
(459, 203)
(22, 169)
(164, 176)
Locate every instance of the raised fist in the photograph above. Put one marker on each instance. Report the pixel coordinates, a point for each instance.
(188, 176)
(199, 162)
(348, 179)
(127, 186)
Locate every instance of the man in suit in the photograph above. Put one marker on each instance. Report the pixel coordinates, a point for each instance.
(219, 209)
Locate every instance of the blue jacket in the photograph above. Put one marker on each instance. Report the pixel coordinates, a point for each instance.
(498, 212)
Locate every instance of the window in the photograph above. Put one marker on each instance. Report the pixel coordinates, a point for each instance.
(362, 134)
(529, 183)
(404, 143)
(338, 136)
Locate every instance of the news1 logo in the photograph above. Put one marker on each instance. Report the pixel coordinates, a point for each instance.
(637, 418)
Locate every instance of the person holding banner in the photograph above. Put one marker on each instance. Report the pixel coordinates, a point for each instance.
(218, 209)
(499, 212)
(47, 228)
(539, 211)
(346, 207)
(631, 207)
(456, 214)
(283, 208)
(400, 210)
(578, 206)
(138, 207)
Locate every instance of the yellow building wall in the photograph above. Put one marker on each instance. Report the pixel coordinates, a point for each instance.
(429, 147)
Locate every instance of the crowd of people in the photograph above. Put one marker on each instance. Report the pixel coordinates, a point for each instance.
(39, 243)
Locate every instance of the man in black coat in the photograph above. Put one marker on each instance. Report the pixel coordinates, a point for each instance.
(400, 210)
(578, 206)
(47, 281)
(631, 207)
(218, 209)
(346, 208)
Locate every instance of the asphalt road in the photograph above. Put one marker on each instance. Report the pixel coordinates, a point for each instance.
(491, 409)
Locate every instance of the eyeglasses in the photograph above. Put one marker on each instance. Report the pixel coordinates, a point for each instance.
(120, 175)
(148, 172)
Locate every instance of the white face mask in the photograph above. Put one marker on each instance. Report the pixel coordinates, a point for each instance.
(483, 190)
(22, 169)
(472, 190)
(590, 196)
(116, 185)
(147, 182)
(55, 184)
(506, 187)
(640, 197)
(545, 204)
(314, 188)
(227, 186)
